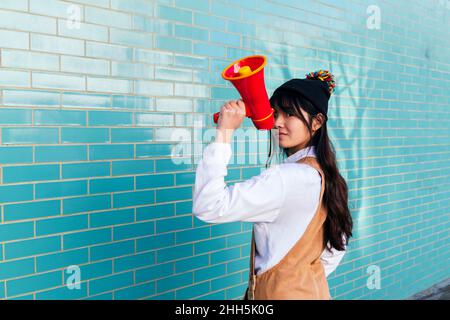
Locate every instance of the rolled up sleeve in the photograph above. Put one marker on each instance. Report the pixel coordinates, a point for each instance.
(331, 260)
(258, 199)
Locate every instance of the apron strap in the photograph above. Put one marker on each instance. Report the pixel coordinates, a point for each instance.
(252, 276)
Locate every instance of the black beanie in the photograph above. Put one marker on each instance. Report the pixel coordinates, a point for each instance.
(317, 87)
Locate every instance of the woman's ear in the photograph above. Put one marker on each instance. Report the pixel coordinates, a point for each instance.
(317, 122)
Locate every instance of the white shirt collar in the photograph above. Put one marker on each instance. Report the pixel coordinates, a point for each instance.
(311, 152)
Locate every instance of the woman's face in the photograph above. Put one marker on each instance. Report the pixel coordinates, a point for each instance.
(290, 131)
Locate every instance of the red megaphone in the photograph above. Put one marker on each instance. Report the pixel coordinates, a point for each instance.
(247, 76)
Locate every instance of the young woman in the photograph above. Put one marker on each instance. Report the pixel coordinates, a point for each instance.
(302, 222)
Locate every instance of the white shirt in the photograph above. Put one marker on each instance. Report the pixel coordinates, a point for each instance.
(281, 202)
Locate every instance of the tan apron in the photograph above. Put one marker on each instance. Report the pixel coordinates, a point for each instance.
(300, 274)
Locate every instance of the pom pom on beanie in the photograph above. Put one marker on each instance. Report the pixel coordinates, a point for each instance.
(323, 75)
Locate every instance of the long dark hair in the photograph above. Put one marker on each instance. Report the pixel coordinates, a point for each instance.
(339, 222)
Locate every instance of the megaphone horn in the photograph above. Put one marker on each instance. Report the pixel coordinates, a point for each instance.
(247, 76)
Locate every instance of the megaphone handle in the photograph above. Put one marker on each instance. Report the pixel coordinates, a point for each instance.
(216, 117)
(247, 114)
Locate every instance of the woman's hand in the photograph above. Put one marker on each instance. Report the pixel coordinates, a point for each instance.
(232, 114)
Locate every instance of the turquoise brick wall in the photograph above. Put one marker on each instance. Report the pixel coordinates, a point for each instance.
(91, 91)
